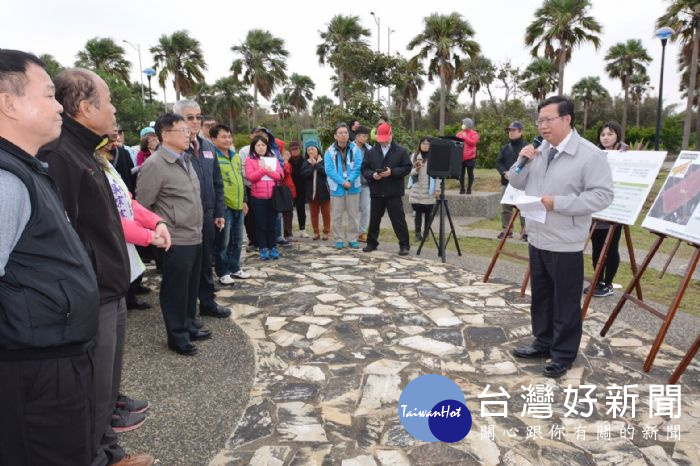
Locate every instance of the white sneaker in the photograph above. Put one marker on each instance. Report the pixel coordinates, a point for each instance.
(240, 274)
(303, 234)
(226, 280)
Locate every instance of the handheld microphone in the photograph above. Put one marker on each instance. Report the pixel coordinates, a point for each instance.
(535, 143)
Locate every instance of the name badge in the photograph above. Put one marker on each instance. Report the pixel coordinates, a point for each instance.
(208, 154)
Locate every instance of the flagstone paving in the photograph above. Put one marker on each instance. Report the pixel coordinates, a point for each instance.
(337, 335)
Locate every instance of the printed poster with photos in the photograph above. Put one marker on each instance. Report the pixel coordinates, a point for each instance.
(676, 210)
(634, 173)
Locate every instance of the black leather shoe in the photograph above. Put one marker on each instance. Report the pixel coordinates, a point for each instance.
(403, 252)
(136, 304)
(203, 334)
(187, 350)
(141, 289)
(219, 311)
(528, 352)
(198, 323)
(555, 369)
(369, 249)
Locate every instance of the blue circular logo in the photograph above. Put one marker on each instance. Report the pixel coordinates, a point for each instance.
(432, 408)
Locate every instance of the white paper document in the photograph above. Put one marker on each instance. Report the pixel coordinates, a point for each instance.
(269, 162)
(531, 208)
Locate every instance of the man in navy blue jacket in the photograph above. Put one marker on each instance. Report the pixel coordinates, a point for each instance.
(211, 185)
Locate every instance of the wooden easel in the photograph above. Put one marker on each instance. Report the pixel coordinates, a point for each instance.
(500, 250)
(692, 351)
(601, 260)
(675, 304)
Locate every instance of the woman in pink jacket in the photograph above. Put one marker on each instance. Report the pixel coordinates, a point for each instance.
(263, 170)
(470, 137)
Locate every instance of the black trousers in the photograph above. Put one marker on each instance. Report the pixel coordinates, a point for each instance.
(265, 218)
(207, 298)
(47, 416)
(394, 206)
(422, 212)
(300, 204)
(249, 221)
(556, 302)
(178, 292)
(612, 261)
(468, 166)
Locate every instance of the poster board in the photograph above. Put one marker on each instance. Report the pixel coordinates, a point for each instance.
(676, 210)
(633, 173)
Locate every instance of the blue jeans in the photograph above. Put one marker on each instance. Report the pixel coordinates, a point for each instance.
(230, 241)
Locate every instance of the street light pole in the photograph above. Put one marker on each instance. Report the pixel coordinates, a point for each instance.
(664, 33)
(137, 47)
(149, 72)
(379, 34)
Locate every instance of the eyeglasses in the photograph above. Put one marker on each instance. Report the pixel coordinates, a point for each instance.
(547, 121)
(193, 117)
(179, 130)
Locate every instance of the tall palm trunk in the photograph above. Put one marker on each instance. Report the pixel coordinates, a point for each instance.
(639, 107)
(562, 64)
(442, 98)
(626, 86)
(691, 85)
(586, 104)
(474, 107)
(230, 118)
(255, 104)
(413, 116)
(341, 88)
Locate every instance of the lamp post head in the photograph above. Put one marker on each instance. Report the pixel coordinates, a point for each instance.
(664, 33)
(149, 72)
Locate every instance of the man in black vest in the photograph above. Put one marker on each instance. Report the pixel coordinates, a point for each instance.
(88, 115)
(385, 167)
(48, 292)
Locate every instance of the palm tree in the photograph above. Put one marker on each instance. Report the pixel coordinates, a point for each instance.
(343, 34)
(683, 16)
(299, 92)
(560, 26)
(321, 106)
(230, 97)
(409, 80)
(103, 54)
(53, 67)
(441, 41)
(639, 85)
(624, 59)
(179, 56)
(262, 62)
(283, 108)
(539, 78)
(685, 73)
(477, 72)
(587, 90)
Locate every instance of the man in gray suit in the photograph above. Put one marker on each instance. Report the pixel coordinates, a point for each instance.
(573, 179)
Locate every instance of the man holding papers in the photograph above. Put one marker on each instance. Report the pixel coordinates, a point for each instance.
(572, 179)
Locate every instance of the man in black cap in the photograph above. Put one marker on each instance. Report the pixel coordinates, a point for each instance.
(506, 158)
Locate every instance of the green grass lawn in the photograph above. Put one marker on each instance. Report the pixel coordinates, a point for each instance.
(659, 290)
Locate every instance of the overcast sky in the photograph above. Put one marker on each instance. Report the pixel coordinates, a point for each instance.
(61, 28)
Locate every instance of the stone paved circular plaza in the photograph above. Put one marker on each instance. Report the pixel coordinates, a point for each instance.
(329, 339)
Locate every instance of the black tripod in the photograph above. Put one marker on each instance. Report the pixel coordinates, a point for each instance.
(440, 204)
